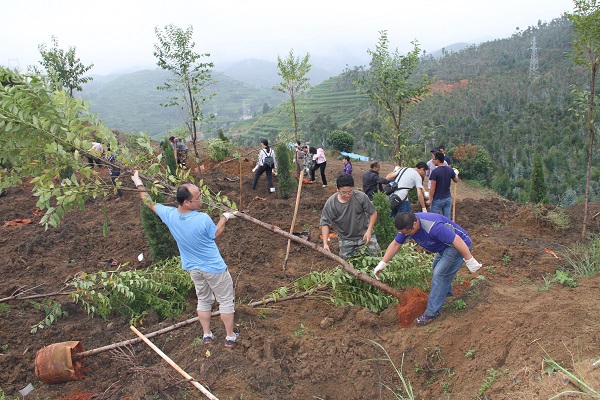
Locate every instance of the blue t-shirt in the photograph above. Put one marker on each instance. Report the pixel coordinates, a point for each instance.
(194, 233)
(442, 176)
(436, 234)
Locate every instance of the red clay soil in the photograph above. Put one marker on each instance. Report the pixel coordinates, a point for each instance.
(305, 348)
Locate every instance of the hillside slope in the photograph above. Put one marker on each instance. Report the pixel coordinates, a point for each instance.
(305, 348)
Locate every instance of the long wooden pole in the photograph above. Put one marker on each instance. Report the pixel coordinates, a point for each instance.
(347, 267)
(454, 202)
(174, 365)
(287, 252)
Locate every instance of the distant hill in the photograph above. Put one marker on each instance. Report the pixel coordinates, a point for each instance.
(263, 73)
(131, 102)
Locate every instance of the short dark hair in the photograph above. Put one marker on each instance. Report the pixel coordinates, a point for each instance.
(344, 181)
(439, 156)
(442, 148)
(183, 193)
(312, 150)
(421, 165)
(374, 164)
(347, 158)
(172, 138)
(404, 220)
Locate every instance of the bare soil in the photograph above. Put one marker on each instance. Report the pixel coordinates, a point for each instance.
(492, 349)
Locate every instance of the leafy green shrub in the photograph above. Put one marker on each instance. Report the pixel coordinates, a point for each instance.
(384, 227)
(219, 149)
(538, 191)
(52, 310)
(162, 287)
(169, 156)
(285, 183)
(341, 140)
(160, 241)
(473, 162)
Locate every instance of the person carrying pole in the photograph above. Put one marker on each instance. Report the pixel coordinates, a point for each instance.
(195, 234)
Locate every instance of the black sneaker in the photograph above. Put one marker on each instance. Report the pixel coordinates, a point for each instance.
(425, 319)
(231, 343)
(208, 339)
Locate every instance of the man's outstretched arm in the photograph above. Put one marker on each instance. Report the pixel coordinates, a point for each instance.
(146, 199)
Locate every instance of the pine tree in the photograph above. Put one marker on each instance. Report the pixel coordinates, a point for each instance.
(285, 183)
(538, 192)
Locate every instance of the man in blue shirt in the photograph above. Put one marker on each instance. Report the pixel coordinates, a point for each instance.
(451, 245)
(195, 234)
(440, 197)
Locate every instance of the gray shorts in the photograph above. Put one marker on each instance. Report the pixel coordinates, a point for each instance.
(211, 287)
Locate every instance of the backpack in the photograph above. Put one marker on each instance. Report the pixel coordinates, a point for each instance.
(393, 185)
(269, 161)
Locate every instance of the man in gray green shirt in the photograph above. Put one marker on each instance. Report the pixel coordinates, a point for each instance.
(354, 216)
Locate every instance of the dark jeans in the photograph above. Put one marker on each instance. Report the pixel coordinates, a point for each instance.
(322, 168)
(91, 162)
(259, 172)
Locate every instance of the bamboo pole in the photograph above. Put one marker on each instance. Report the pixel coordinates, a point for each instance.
(454, 202)
(174, 365)
(287, 252)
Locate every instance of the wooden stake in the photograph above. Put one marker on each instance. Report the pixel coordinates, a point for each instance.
(175, 366)
(289, 243)
(454, 202)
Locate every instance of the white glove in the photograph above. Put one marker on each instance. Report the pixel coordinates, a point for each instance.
(228, 215)
(455, 171)
(136, 179)
(275, 171)
(472, 264)
(254, 169)
(423, 210)
(397, 168)
(380, 267)
(426, 195)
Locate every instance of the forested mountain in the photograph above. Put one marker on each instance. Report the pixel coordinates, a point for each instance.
(491, 95)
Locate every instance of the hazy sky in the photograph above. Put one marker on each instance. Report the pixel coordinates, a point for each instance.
(119, 35)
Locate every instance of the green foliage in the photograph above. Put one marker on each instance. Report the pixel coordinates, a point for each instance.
(294, 81)
(285, 183)
(404, 270)
(470, 354)
(584, 258)
(300, 331)
(556, 217)
(219, 149)
(52, 310)
(44, 134)
(492, 377)
(191, 77)
(406, 391)
(538, 191)
(221, 136)
(393, 88)
(384, 228)
(169, 153)
(565, 278)
(341, 140)
(63, 68)
(160, 241)
(459, 305)
(473, 162)
(162, 287)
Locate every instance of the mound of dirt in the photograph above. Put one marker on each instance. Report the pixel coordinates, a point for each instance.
(491, 338)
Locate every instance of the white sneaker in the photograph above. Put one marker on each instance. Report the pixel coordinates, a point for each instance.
(272, 190)
(324, 185)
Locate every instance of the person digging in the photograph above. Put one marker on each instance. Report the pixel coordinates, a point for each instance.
(195, 234)
(440, 235)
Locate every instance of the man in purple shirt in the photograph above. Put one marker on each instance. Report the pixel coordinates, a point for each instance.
(451, 245)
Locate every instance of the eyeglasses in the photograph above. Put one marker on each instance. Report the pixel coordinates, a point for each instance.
(345, 192)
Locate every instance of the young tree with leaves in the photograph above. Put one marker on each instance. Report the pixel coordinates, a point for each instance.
(586, 52)
(293, 72)
(191, 77)
(63, 68)
(392, 88)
